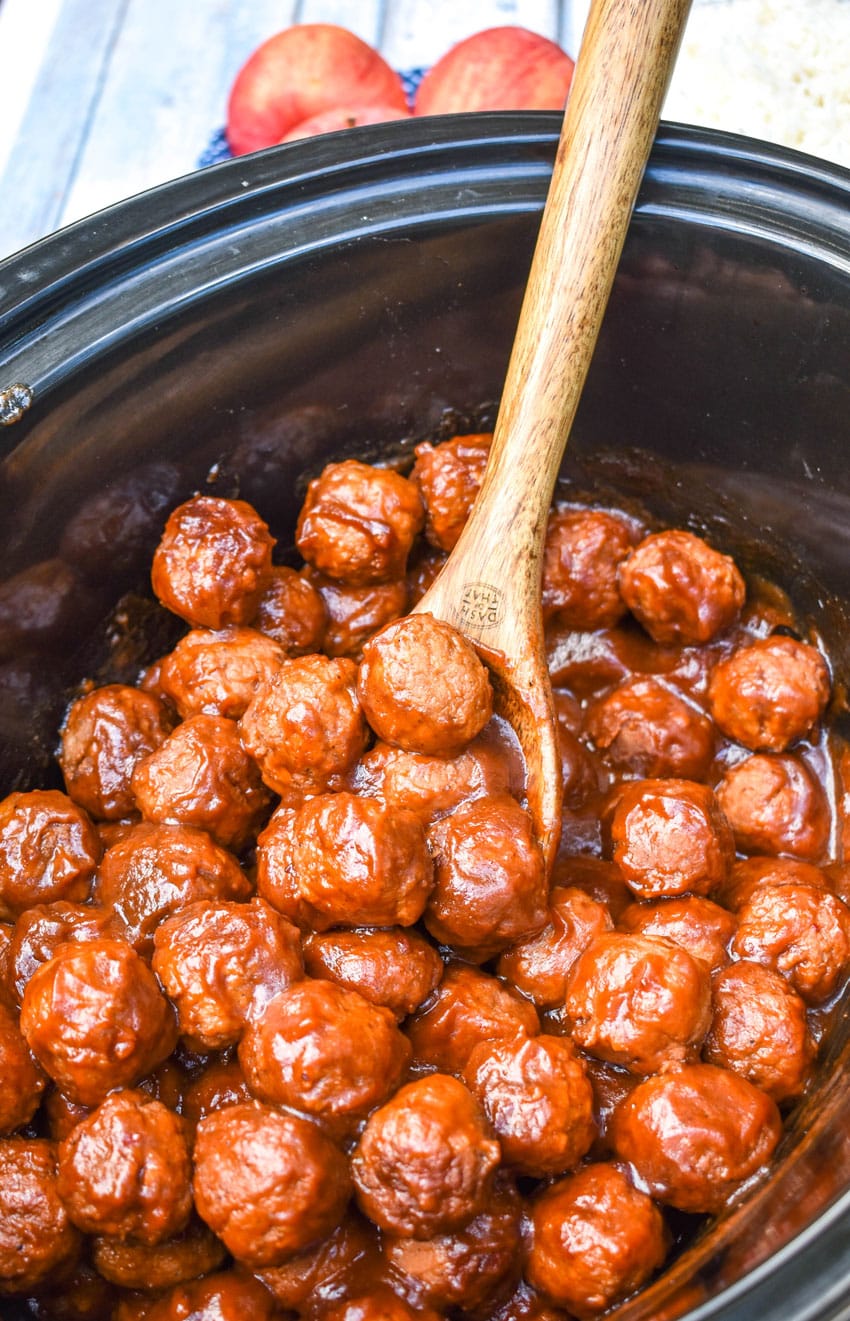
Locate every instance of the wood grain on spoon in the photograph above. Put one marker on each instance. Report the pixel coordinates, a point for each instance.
(490, 585)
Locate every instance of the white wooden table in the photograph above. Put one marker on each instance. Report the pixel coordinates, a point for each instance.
(100, 99)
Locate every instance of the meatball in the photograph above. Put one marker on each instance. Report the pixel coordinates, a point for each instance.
(694, 1136)
(646, 729)
(156, 870)
(638, 1001)
(490, 886)
(680, 589)
(394, 967)
(467, 1007)
(357, 861)
(220, 964)
(358, 523)
(581, 556)
(595, 1240)
(801, 931)
(769, 694)
(41, 930)
(325, 1051)
(540, 964)
(305, 727)
(36, 1236)
(125, 1171)
(431, 786)
(326, 1270)
(377, 1303)
(21, 1080)
(425, 1162)
(698, 925)
(212, 562)
(49, 850)
(95, 1019)
(105, 733)
(469, 1268)
(536, 1095)
(748, 874)
(355, 613)
(599, 879)
(218, 674)
(275, 871)
(220, 1084)
(423, 687)
(292, 612)
(154, 1267)
(230, 1295)
(201, 776)
(449, 477)
(774, 804)
(759, 1029)
(669, 837)
(267, 1183)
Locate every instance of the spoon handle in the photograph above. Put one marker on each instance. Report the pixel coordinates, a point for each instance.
(490, 587)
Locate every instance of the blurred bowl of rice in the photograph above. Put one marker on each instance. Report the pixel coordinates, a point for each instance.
(772, 69)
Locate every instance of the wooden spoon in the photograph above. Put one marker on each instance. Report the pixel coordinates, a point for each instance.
(490, 586)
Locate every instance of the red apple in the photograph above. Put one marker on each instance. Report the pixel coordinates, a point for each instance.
(327, 121)
(505, 68)
(299, 73)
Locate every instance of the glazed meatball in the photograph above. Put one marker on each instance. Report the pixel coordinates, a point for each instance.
(78, 1294)
(154, 1267)
(769, 694)
(125, 1171)
(220, 964)
(595, 1240)
(801, 931)
(220, 1084)
(105, 733)
(324, 1051)
(423, 687)
(669, 837)
(267, 1183)
(201, 776)
(355, 613)
(540, 965)
(469, 1268)
(394, 967)
(212, 562)
(95, 1019)
(42, 606)
(680, 589)
(326, 1270)
(230, 1295)
(218, 674)
(536, 1095)
(774, 804)
(292, 612)
(41, 930)
(449, 477)
(431, 786)
(305, 727)
(358, 862)
(748, 874)
(358, 523)
(21, 1080)
(36, 1236)
(698, 925)
(490, 885)
(275, 869)
(581, 555)
(694, 1136)
(645, 729)
(377, 1303)
(467, 1007)
(425, 1162)
(598, 878)
(638, 1001)
(155, 870)
(49, 850)
(759, 1030)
